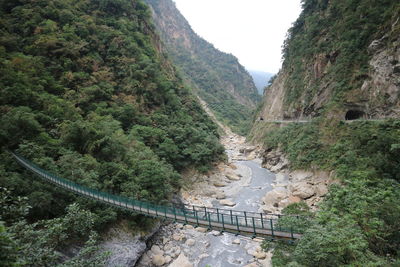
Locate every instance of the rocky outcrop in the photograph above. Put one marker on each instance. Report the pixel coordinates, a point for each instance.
(297, 186)
(125, 248)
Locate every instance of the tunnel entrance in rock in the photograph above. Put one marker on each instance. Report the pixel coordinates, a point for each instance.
(354, 115)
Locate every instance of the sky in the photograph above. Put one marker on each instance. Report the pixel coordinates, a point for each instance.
(251, 30)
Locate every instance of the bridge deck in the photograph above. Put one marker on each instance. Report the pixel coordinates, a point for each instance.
(239, 222)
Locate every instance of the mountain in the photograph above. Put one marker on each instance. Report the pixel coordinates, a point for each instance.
(261, 79)
(216, 77)
(341, 78)
(88, 94)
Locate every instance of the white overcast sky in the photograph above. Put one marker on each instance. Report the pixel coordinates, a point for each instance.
(252, 30)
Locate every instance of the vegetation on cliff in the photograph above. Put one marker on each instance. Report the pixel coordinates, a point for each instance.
(86, 94)
(326, 61)
(326, 56)
(217, 77)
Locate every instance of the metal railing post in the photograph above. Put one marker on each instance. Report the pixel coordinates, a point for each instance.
(237, 224)
(217, 215)
(262, 221)
(174, 213)
(254, 227)
(223, 223)
(230, 211)
(209, 221)
(245, 217)
(272, 229)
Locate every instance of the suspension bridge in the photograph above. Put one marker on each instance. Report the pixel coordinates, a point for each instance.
(238, 222)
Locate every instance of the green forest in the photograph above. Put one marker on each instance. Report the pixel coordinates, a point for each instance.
(86, 94)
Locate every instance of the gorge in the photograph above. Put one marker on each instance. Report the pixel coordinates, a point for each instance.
(124, 97)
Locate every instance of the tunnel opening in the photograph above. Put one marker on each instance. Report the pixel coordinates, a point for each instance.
(354, 115)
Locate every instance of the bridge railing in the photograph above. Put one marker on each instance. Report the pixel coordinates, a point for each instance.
(188, 213)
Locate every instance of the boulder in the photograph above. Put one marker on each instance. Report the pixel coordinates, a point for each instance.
(168, 259)
(227, 202)
(215, 233)
(181, 261)
(300, 175)
(260, 255)
(232, 177)
(321, 189)
(190, 242)
(236, 242)
(201, 229)
(158, 260)
(156, 250)
(219, 184)
(302, 190)
(220, 195)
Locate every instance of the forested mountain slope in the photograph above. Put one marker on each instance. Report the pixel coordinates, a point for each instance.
(87, 93)
(218, 77)
(341, 61)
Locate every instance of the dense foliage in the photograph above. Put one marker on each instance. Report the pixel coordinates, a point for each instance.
(220, 80)
(358, 223)
(86, 94)
(332, 37)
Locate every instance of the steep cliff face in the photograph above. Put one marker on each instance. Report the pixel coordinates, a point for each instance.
(339, 57)
(217, 77)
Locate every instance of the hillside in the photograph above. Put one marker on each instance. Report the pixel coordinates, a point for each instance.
(217, 77)
(261, 79)
(87, 93)
(341, 63)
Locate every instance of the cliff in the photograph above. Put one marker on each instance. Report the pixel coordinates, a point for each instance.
(339, 57)
(216, 77)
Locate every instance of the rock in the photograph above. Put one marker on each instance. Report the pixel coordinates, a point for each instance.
(302, 190)
(156, 250)
(236, 242)
(158, 260)
(179, 226)
(177, 237)
(188, 227)
(280, 177)
(202, 256)
(300, 175)
(294, 199)
(215, 233)
(168, 259)
(232, 177)
(165, 240)
(181, 261)
(252, 265)
(220, 195)
(227, 202)
(201, 229)
(219, 184)
(190, 242)
(321, 190)
(260, 255)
